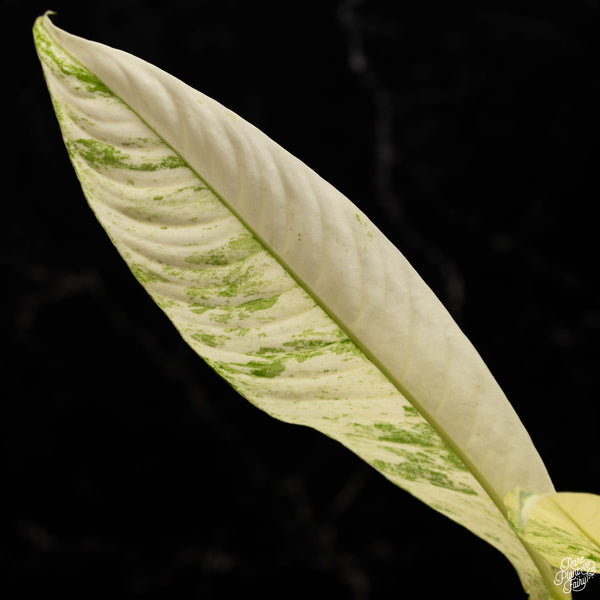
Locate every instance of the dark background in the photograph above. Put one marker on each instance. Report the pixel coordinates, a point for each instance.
(468, 131)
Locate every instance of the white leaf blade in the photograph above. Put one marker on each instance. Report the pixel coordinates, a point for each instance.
(309, 232)
(203, 273)
(409, 328)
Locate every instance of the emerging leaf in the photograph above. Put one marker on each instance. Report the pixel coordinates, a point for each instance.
(564, 528)
(288, 291)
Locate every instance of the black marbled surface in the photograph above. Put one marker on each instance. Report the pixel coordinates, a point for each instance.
(468, 131)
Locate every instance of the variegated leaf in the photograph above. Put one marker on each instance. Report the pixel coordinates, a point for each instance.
(288, 291)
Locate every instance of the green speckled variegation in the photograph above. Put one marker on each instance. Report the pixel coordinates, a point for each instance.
(288, 291)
